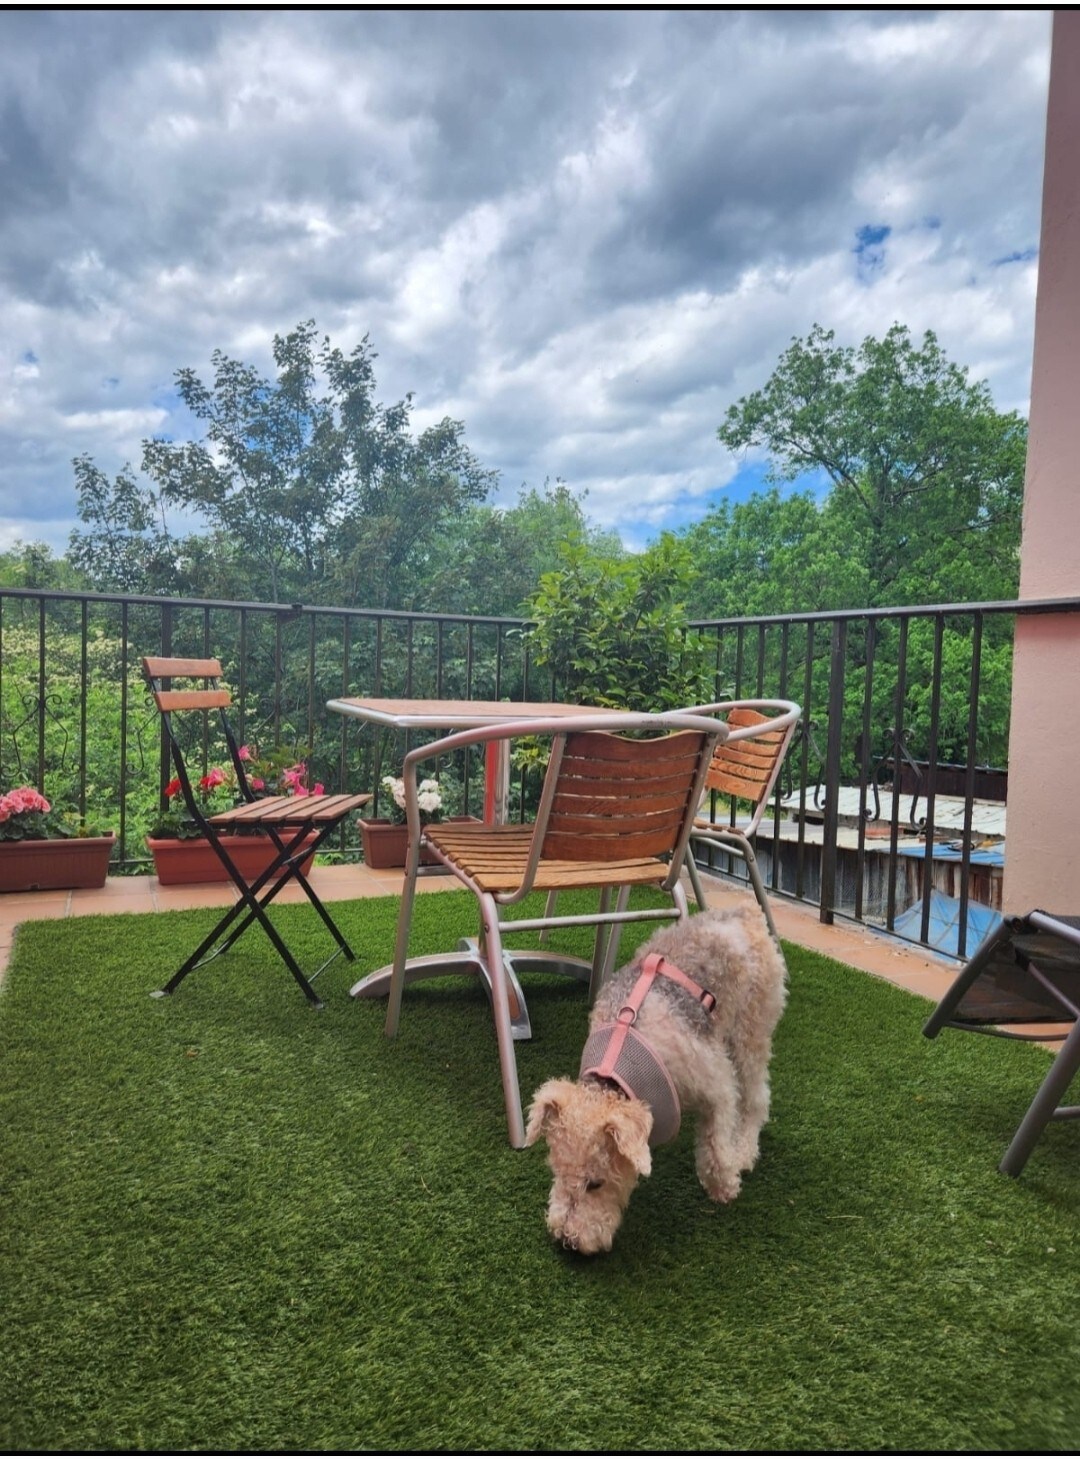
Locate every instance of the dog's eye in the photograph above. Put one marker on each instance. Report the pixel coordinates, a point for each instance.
(593, 1185)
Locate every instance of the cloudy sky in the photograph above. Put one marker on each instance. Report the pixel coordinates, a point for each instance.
(582, 233)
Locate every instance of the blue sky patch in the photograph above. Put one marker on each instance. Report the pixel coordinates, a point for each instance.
(869, 249)
(1019, 255)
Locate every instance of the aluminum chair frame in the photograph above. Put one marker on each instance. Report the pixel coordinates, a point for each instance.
(1026, 972)
(738, 774)
(489, 955)
(287, 821)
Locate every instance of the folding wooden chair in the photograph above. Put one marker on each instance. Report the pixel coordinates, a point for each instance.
(1026, 973)
(614, 813)
(286, 820)
(745, 766)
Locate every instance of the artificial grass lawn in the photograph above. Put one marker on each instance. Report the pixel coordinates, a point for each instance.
(230, 1222)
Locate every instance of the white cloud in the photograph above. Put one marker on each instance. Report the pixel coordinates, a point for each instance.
(584, 234)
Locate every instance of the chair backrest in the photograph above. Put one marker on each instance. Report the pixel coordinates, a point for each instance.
(614, 798)
(746, 766)
(203, 700)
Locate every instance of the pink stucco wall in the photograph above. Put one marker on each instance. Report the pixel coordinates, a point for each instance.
(1042, 863)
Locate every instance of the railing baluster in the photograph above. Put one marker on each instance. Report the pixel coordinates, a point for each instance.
(931, 778)
(974, 690)
(894, 817)
(864, 764)
(834, 747)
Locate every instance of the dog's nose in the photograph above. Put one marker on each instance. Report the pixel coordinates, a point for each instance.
(570, 1243)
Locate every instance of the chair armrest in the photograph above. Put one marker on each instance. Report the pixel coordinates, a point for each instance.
(784, 714)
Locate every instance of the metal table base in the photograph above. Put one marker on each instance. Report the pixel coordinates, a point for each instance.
(471, 961)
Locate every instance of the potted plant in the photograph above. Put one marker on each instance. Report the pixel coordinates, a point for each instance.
(385, 839)
(181, 852)
(41, 849)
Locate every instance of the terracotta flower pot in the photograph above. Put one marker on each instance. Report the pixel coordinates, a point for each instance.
(180, 863)
(386, 842)
(77, 861)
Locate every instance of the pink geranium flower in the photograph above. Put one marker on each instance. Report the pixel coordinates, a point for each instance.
(22, 815)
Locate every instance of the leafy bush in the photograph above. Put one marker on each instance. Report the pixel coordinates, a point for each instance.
(614, 633)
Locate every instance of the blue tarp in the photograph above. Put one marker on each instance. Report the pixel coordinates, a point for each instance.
(944, 930)
(943, 851)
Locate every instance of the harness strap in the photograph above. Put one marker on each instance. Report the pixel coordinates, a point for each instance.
(654, 966)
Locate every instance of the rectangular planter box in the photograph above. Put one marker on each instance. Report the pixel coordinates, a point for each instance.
(182, 863)
(385, 843)
(32, 866)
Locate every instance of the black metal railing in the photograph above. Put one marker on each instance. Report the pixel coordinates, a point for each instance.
(915, 698)
(906, 717)
(76, 720)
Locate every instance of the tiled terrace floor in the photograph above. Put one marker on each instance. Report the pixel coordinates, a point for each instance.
(884, 957)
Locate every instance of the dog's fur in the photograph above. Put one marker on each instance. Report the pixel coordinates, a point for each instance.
(598, 1139)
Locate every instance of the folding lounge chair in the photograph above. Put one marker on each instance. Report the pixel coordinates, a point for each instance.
(287, 820)
(1026, 972)
(614, 813)
(745, 766)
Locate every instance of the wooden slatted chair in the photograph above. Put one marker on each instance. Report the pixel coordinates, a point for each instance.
(286, 820)
(744, 768)
(614, 813)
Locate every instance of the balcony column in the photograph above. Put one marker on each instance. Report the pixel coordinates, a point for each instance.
(1042, 862)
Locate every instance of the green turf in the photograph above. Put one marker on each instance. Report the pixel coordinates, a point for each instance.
(232, 1223)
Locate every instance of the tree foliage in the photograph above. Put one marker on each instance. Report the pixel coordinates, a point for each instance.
(312, 490)
(776, 554)
(615, 632)
(928, 474)
(489, 560)
(33, 565)
(303, 487)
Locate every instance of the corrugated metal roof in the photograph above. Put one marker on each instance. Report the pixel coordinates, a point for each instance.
(987, 816)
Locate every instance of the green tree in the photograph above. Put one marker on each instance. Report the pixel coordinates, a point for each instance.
(776, 554)
(928, 473)
(129, 549)
(614, 632)
(489, 560)
(312, 491)
(33, 565)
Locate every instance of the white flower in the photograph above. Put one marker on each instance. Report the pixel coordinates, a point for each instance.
(428, 795)
(428, 798)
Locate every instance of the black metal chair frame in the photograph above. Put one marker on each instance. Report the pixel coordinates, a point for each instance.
(1020, 991)
(288, 822)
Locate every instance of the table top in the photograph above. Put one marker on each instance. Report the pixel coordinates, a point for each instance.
(453, 714)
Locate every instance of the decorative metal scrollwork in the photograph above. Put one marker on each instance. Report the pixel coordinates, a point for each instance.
(883, 765)
(38, 707)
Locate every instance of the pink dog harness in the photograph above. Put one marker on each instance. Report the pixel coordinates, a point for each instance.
(615, 1052)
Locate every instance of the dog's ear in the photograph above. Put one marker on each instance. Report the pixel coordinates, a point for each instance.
(545, 1107)
(629, 1133)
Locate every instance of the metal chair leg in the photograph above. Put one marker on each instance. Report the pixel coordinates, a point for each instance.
(401, 947)
(500, 1004)
(1044, 1106)
(759, 889)
(695, 880)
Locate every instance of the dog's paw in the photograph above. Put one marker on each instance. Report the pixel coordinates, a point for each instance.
(721, 1186)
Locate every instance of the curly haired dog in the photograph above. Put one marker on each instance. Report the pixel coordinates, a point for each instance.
(689, 1022)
